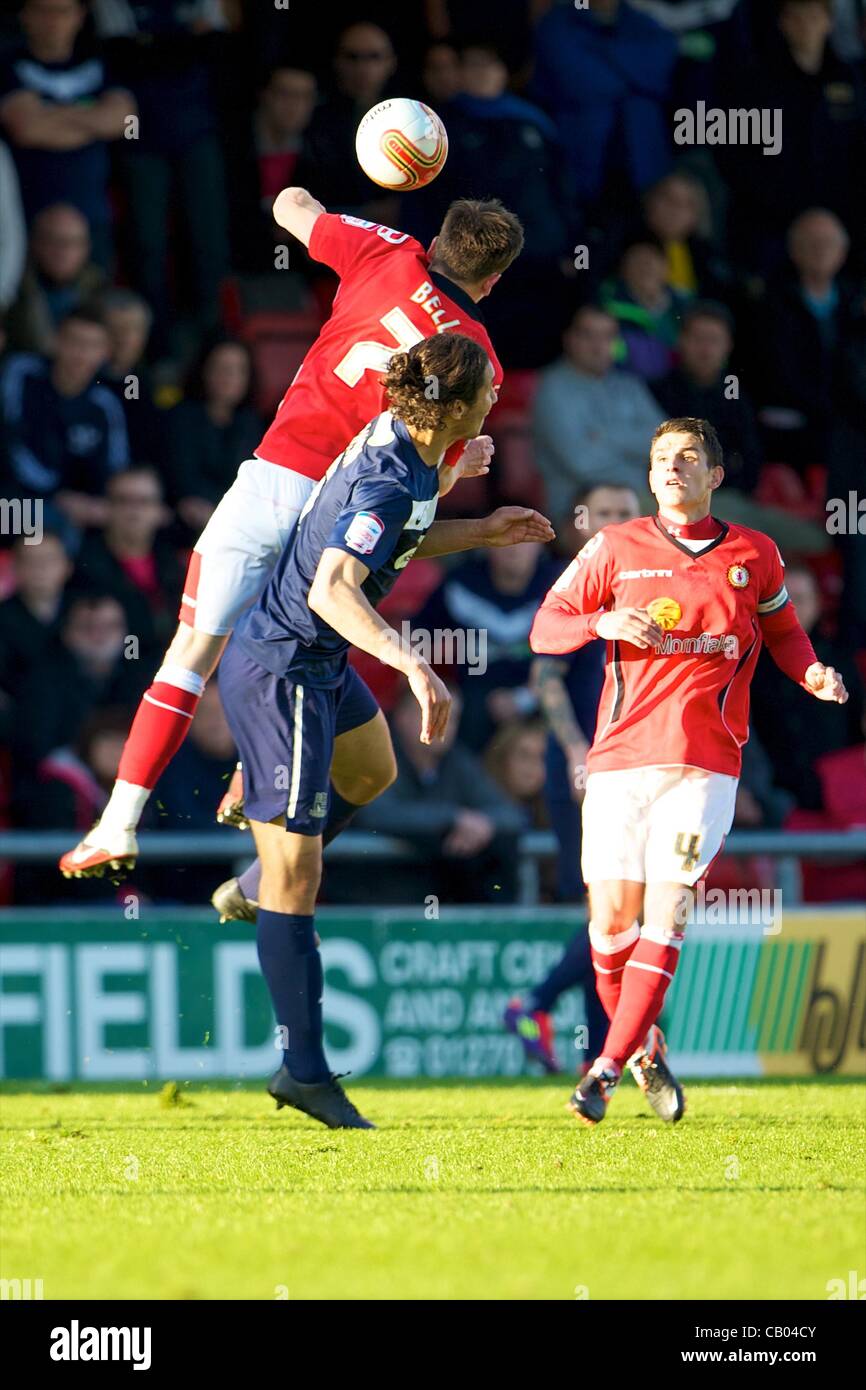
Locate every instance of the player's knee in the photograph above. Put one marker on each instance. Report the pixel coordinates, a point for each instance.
(293, 877)
(370, 782)
(382, 776)
(195, 651)
(611, 920)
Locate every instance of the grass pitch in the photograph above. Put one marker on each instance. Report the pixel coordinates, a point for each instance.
(468, 1190)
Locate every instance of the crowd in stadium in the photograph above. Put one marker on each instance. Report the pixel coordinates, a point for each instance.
(151, 316)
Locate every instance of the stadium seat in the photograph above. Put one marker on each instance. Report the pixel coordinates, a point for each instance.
(516, 479)
(780, 486)
(279, 343)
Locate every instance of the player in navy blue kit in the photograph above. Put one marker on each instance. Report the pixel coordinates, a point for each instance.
(299, 713)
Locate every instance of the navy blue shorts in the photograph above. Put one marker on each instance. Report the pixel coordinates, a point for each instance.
(285, 733)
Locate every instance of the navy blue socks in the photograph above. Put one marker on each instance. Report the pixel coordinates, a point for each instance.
(340, 812)
(292, 968)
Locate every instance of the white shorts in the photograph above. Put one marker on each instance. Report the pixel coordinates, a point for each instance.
(236, 552)
(655, 824)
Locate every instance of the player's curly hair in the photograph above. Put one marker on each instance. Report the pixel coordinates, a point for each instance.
(702, 430)
(422, 383)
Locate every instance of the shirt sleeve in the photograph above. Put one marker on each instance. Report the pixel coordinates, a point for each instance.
(568, 617)
(787, 643)
(773, 594)
(341, 241)
(370, 525)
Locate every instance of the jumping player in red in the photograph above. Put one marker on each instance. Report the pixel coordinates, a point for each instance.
(684, 602)
(392, 294)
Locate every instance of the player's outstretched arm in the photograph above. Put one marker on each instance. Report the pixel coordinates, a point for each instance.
(505, 526)
(336, 596)
(790, 648)
(297, 211)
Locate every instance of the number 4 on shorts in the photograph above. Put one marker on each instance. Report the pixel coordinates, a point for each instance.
(687, 847)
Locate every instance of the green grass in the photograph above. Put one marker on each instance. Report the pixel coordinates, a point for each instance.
(467, 1190)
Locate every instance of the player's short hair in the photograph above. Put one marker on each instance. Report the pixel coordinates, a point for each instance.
(702, 430)
(477, 238)
(421, 384)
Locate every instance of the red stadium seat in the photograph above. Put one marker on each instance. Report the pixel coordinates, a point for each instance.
(515, 476)
(279, 342)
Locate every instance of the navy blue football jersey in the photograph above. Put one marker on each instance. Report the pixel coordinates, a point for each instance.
(377, 501)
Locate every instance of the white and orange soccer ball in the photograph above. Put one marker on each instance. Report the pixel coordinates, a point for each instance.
(401, 144)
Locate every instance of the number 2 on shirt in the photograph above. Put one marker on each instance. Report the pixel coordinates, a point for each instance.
(370, 356)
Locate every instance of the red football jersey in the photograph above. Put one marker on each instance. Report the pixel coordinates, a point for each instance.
(388, 299)
(687, 702)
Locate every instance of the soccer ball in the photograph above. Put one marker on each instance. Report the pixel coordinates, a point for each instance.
(401, 144)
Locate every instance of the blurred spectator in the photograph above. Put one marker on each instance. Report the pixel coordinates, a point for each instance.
(59, 277)
(441, 76)
(568, 689)
(822, 103)
(71, 784)
(590, 421)
(503, 146)
(478, 21)
(605, 75)
(849, 30)
(30, 618)
(514, 758)
(456, 817)
(781, 712)
(647, 309)
(676, 215)
(364, 64)
(13, 230)
(175, 165)
(59, 109)
(66, 434)
(701, 387)
(83, 670)
(191, 786)
(761, 803)
(807, 321)
(212, 431)
(502, 143)
(132, 561)
(283, 114)
(493, 597)
(846, 477)
(126, 373)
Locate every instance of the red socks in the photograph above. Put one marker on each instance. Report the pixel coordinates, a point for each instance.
(160, 726)
(648, 971)
(609, 955)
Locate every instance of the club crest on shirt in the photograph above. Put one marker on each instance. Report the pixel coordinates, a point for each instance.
(738, 576)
